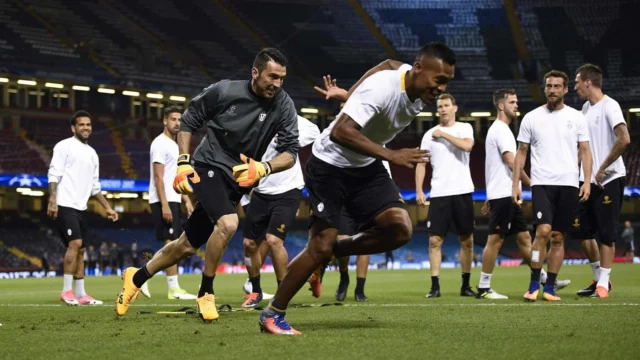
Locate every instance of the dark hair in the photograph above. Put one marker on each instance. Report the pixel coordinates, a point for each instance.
(78, 114)
(269, 54)
(557, 73)
(437, 50)
(171, 109)
(502, 94)
(446, 96)
(591, 72)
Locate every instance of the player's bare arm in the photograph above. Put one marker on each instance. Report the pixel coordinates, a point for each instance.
(518, 168)
(465, 144)
(346, 132)
(282, 162)
(509, 160)
(52, 207)
(111, 214)
(420, 173)
(184, 141)
(584, 153)
(158, 171)
(622, 141)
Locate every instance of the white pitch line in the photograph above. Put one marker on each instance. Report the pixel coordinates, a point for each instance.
(355, 305)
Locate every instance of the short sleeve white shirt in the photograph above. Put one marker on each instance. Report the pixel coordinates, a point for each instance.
(380, 105)
(602, 118)
(164, 150)
(497, 175)
(553, 137)
(451, 174)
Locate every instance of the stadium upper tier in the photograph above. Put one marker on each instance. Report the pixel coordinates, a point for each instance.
(182, 46)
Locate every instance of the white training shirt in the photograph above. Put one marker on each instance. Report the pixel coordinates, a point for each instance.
(602, 118)
(381, 107)
(164, 150)
(497, 175)
(451, 174)
(553, 137)
(76, 168)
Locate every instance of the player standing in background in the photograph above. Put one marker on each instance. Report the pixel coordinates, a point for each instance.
(74, 176)
(271, 212)
(555, 132)
(450, 144)
(600, 214)
(505, 218)
(164, 201)
(628, 238)
(346, 171)
(241, 118)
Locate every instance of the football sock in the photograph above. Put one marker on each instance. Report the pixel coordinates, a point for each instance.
(206, 286)
(435, 283)
(604, 278)
(595, 266)
(172, 282)
(465, 279)
(344, 276)
(141, 276)
(535, 280)
(360, 285)
(255, 284)
(79, 287)
(67, 283)
(551, 282)
(485, 281)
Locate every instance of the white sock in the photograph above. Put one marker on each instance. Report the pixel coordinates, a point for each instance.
(595, 266)
(68, 283)
(172, 282)
(604, 278)
(485, 280)
(79, 288)
(543, 276)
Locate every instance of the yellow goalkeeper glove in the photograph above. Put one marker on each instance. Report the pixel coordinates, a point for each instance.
(251, 171)
(185, 173)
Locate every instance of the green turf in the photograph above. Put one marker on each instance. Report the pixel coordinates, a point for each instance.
(397, 323)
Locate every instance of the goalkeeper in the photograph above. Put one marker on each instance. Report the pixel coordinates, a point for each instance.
(241, 118)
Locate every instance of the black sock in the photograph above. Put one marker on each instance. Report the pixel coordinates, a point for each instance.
(277, 307)
(344, 276)
(535, 275)
(465, 280)
(279, 281)
(435, 283)
(360, 285)
(551, 280)
(255, 284)
(206, 286)
(141, 276)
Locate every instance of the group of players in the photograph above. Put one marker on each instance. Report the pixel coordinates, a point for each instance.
(250, 154)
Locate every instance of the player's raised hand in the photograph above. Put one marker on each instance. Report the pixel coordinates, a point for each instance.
(421, 199)
(585, 191)
(112, 215)
(485, 208)
(185, 174)
(52, 209)
(332, 90)
(251, 171)
(408, 157)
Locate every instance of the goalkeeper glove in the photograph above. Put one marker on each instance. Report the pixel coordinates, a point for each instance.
(185, 173)
(251, 171)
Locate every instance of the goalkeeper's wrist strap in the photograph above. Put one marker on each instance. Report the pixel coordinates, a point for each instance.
(184, 159)
(267, 167)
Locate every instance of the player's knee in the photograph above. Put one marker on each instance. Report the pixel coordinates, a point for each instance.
(322, 248)
(81, 252)
(274, 242)
(557, 239)
(435, 242)
(227, 225)
(250, 246)
(75, 245)
(183, 246)
(495, 240)
(543, 231)
(466, 243)
(399, 227)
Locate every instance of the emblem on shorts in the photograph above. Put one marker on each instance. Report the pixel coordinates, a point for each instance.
(171, 231)
(606, 200)
(428, 224)
(210, 173)
(320, 207)
(539, 214)
(232, 111)
(281, 228)
(262, 116)
(400, 198)
(576, 223)
(69, 232)
(509, 226)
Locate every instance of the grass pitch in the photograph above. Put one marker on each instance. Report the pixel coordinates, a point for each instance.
(397, 323)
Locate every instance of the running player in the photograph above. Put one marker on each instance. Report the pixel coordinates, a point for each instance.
(164, 201)
(346, 171)
(599, 215)
(555, 133)
(73, 177)
(271, 213)
(241, 118)
(450, 144)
